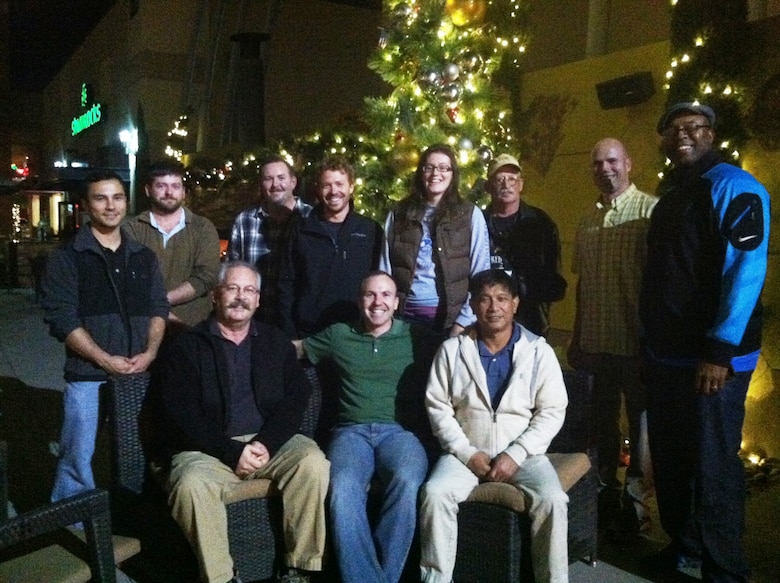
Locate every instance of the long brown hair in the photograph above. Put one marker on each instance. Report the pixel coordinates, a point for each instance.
(413, 206)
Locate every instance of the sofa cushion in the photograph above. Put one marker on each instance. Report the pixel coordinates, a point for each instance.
(570, 467)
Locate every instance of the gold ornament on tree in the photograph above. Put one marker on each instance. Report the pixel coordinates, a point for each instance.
(466, 12)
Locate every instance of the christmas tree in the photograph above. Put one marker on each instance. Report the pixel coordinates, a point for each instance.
(442, 59)
(711, 43)
(449, 64)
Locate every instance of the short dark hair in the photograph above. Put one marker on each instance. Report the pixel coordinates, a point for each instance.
(490, 278)
(168, 167)
(274, 159)
(100, 176)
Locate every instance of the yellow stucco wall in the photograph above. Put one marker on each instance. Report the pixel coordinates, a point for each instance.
(564, 189)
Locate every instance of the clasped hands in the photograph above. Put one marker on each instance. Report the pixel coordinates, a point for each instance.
(501, 468)
(254, 456)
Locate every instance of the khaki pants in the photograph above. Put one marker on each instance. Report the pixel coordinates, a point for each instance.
(197, 483)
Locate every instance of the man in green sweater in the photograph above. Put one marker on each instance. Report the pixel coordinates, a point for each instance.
(380, 362)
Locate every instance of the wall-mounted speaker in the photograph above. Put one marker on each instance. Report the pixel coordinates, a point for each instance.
(624, 91)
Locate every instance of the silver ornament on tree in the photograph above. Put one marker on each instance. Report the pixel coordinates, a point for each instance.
(465, 144)
(428, 79)
(402, 13)
(451, 92)
(450, 72)
(470, 62)
(485, 154)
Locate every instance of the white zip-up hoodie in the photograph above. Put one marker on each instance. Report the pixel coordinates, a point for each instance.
(529, 415)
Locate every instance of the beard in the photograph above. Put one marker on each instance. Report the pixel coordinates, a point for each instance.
(166, 206)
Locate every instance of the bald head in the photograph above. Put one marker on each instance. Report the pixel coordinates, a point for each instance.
(611, 166)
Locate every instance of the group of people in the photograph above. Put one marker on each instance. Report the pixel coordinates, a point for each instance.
(429, 336)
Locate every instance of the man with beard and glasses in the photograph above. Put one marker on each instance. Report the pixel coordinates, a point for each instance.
(231, 394)
(186, 244)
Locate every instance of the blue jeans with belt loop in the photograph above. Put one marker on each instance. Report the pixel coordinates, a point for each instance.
(77, 439)
(356, 453)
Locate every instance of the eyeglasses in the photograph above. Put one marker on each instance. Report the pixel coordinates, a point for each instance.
(689, 128)
(508, 180)
(442, 168)
(235, 289)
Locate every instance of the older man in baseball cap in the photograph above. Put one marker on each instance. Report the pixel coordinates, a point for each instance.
(524, 242)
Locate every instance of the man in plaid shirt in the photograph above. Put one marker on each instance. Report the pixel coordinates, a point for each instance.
(609, 256)
(258, 233)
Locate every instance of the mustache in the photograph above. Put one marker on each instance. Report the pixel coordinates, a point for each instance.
(239, 303)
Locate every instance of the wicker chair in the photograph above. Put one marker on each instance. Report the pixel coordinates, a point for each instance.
(254, 507)
(27, 555)
(493, 529)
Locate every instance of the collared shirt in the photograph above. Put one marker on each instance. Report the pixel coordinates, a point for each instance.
(254, 235)
(257, 239)
(166, 236)
(243, 415)
(498, 366)
(609, 255)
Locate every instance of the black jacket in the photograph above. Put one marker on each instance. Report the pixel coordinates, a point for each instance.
(531, 249)
(190, 389)
(320, 277)
(78, 292)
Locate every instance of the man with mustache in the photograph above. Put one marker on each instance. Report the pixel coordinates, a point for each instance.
(327, 256)
(231, 396)
(258, 235)
(186, 244)
(524, 242)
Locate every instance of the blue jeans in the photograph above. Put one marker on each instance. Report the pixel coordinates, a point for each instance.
(395, 455)
(77, 440)
(700, 481)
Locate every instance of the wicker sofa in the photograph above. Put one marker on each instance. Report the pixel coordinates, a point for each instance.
(36, 546)
(493, 528)
(254, 507)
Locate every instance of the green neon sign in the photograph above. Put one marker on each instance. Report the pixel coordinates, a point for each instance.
(91, 116)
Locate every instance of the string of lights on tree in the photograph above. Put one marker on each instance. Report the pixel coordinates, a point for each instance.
(710, 43)
(441, 58)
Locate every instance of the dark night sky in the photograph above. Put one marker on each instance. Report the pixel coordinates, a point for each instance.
(44, 34)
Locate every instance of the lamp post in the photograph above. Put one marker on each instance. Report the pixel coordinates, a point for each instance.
(129, 137)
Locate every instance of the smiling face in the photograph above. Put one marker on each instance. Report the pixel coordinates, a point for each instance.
(237, 297)
(495, 307)
(277, 184)
(166, 193)
(106, 204)
(437, 176)
(611, 168)
(334, 191)
(378, 303)
(686, 138)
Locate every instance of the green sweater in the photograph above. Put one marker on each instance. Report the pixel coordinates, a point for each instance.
(371, 370)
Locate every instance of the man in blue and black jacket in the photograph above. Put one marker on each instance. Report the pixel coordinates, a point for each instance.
(701, 313)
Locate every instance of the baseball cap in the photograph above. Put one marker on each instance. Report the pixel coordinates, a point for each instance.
(500, 161)
(685, 106)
